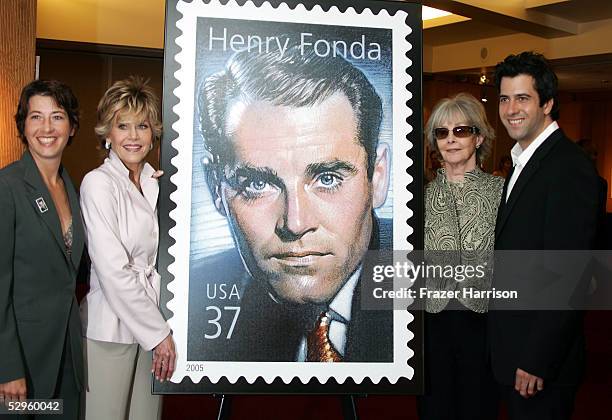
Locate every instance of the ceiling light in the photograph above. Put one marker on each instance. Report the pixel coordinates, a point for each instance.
(431, 13)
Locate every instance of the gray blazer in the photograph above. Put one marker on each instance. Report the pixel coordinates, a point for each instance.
(460, 230)
(38, 309)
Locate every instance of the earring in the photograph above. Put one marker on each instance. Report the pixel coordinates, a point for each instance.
(107, 145)
(477, 146)
(151, 147)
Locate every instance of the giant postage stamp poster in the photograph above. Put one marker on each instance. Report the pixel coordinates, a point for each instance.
(291, 148)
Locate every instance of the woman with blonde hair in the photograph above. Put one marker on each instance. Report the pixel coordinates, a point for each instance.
(121, 317)
(460, 211)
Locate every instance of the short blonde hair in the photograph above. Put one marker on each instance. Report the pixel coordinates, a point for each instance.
(468, 109)
(131, 95)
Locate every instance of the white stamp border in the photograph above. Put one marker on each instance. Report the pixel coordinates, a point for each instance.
(181, 215)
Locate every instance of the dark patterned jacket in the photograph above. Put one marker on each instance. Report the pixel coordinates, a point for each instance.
(460, 230)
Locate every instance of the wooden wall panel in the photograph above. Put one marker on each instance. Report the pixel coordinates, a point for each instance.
(597, 134)
(17, 62)
(607, 171)
(571, 118)
(589, 117)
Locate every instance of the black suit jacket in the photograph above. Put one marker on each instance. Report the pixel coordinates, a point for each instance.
(266, 330)
(38, 309)
(553, 206)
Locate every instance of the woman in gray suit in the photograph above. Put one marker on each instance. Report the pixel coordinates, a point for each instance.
(460, 210)
(42, 243)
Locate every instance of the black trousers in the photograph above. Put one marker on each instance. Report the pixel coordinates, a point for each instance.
(459, 384)
(67, 388)
(554, 402)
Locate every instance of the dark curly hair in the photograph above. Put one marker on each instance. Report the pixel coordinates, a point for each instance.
(536, 66)
(61, 94)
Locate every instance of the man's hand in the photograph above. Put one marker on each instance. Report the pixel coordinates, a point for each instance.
(526, 384)
(163, 359)
(13, 391)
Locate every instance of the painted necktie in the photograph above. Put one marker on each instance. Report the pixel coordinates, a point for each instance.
(320, 349)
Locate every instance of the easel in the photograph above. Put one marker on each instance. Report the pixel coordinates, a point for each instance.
(349, 409)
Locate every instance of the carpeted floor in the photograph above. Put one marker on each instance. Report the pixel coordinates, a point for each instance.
(592, 402)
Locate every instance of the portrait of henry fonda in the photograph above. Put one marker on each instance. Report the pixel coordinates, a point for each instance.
(293, 162)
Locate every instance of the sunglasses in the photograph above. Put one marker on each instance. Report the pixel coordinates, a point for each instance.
(461, 131)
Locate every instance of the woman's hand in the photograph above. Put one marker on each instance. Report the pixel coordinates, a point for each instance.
(164, 357)
(13, 391)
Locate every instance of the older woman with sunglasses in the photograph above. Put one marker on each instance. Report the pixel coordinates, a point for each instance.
(460, 211)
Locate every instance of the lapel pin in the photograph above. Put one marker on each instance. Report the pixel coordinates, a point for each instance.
(42, 206)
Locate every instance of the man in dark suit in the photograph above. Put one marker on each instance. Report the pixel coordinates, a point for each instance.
(295, 166)
(549, 202)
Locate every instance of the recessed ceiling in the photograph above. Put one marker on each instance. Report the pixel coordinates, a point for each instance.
(469, 30)
(585, 74)
(579, 11)
(546, 19)
(581, 74)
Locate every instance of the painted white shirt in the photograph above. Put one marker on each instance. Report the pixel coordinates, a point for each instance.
(122, 305)
(341, 305)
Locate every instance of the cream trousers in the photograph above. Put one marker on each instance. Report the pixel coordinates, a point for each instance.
(119, 382)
